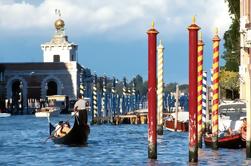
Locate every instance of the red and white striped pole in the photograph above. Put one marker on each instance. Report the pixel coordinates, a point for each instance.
(199, 88)
(193, 53)
(216, 41)
(152, 97)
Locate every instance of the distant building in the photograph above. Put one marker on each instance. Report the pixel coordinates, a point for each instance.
(58, 74)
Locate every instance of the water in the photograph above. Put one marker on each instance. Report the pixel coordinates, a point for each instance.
(22, 143)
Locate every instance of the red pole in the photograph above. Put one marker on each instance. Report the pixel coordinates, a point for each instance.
(152, 106)
(193, 54)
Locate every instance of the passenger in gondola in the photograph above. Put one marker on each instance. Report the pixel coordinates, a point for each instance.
(226, 132)
(243, 129)
(80, 106)
(62, 128)
(221, 133)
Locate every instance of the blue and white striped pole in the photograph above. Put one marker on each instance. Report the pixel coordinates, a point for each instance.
(124, 101)
(204, 99)
(121, 105)
(114, 96)
(104, 98)
(128, 100)
(94, 99)
(134, 95)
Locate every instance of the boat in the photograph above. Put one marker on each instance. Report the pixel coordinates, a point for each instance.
(77, 135)
(234, 141)
(182, 122)
(47, 111)
(231, 117)
(4, 115)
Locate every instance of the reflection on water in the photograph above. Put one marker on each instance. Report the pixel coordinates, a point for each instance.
(22, 143)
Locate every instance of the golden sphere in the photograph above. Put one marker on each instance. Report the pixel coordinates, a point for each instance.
(59, 24)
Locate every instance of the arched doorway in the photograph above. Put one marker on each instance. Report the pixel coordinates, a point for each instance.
(17, 97)
(52, 88)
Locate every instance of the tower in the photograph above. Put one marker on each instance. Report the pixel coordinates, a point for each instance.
(59, 49)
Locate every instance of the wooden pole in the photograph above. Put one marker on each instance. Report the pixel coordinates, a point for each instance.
(193, 42)
(215, 105)
(176, 107)
(204, 101)
(94, 100)
(152, 106)
(207, 108)
(160, 89)
(199, 88)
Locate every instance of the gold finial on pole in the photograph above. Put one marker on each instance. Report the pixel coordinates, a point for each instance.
(193, 20)
(152, 24)
(200, 35)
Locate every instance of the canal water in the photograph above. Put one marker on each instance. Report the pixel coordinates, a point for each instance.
(22, 142)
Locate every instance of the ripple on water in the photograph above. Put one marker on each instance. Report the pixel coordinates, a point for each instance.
(22, 143)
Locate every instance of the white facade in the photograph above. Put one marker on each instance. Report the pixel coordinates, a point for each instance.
(59, 49)
(245, 45)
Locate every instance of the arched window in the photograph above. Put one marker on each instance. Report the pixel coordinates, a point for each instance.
(51, 88)
(56, 58)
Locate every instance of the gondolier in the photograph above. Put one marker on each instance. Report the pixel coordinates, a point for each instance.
(81, 105)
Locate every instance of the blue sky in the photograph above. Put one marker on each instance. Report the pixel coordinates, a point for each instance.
(111, 34)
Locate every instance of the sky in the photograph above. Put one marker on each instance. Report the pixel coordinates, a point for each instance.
(111, 34)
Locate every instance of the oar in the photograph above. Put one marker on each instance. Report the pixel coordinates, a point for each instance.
(59, 127)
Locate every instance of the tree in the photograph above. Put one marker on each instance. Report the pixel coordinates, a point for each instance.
(232, 38)
(171, 87)
(229, 81)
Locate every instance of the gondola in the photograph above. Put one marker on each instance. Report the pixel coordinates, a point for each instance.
(231, 141)
(78, 134)
(181, 126)
(182, 122)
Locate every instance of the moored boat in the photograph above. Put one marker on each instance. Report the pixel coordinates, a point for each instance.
(77, 135)
(230, 141)
(4, 115)
(47, 111)
(182, 122)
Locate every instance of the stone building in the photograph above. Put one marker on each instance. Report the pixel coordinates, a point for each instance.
(58, 74)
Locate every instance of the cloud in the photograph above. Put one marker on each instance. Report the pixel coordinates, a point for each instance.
(127, 18)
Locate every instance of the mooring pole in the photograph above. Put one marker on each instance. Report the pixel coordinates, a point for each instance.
(204, 101)
(124, 99)
(193, 42)
(152, 101)
(113, 105)
(160, 89)
(176, 108)
(104, 98)
(216, 41)
(199, 88)
(94, 100)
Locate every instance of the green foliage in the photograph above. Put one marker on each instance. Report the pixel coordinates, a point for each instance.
(141, 86)
(171, 87)
(232, 38)
(229, 81)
